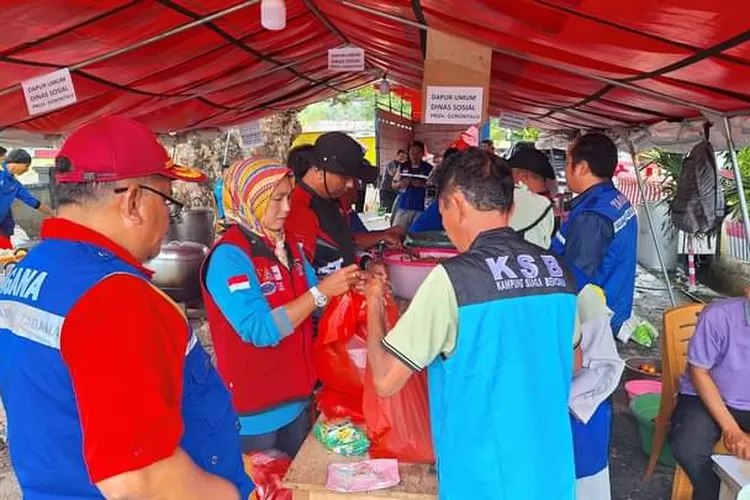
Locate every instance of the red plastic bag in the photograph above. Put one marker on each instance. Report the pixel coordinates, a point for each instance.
(343, 384)
(267, 470)
(398, 426)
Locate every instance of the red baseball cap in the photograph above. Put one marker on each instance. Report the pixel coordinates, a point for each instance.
(115, 148)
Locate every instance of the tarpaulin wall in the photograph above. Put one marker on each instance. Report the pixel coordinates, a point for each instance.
(561, 63)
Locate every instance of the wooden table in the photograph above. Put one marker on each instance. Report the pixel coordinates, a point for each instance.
(734, 475)
(308, 474)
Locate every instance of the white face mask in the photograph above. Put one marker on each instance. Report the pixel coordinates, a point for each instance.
(521, 185)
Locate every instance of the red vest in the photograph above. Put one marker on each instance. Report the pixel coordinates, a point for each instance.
(261, 378)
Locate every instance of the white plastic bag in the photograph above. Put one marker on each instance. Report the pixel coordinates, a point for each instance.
(19, 238)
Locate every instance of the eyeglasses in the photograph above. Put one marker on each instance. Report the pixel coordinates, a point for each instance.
(174, 207)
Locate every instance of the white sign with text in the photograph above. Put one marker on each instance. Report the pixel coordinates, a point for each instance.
(454, 105)
(346, 59)
(252, 135)
(49, 92)
(512, 121)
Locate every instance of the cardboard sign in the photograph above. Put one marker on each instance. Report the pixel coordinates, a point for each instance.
(49, 92)
(453, 61)
(346, 59)
(252, 135)
(454, 105)
(512, 121)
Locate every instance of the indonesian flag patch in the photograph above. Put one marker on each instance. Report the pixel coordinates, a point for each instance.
(241, 282)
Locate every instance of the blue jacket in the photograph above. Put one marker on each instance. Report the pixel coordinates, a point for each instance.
(598, 241)
(499, 402)
(44, 432)
(10, 190)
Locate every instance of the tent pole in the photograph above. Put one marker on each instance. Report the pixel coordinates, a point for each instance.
(226, 149)
(649, 219)
(737, 177)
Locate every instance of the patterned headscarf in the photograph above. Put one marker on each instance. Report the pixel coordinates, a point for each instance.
(248, 186)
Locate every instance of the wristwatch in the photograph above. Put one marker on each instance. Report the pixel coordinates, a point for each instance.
(319, 297)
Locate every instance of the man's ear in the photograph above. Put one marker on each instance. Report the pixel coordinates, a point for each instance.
(462, 204)
(582, 168)
(130, 205)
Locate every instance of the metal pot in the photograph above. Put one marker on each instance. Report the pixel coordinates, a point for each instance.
(177, 270)
(196, 224)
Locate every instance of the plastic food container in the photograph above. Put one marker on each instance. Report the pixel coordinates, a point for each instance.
(408, 270)
(634, 363)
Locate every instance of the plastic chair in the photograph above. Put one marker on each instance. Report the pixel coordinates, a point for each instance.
(679, 326)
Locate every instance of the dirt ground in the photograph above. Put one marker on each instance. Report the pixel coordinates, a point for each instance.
(627, 461)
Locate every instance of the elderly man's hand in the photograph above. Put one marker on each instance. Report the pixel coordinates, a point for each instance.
(738, 443)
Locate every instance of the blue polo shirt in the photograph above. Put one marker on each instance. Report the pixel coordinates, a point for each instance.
(413, 197)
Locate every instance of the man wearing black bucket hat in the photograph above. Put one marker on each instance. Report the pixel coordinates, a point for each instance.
(532, 168)
(317, 216)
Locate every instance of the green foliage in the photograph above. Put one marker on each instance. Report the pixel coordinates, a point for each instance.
(357, 105)
(672, 165)
(499, 134)
(731, 194)
(529, 134)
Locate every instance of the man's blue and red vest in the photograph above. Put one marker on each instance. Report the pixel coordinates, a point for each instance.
(616, 274)
(44, 428)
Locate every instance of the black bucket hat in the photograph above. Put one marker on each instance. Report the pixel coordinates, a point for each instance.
(338, 153)
(534, 161)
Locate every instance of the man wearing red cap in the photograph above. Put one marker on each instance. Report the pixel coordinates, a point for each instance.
(106, 389)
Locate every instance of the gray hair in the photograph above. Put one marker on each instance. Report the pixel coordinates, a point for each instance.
(75, 193)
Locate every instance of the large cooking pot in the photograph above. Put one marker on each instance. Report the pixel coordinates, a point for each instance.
(196, 224)
(177, 270)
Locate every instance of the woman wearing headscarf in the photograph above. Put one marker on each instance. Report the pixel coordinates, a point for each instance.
(260, 293)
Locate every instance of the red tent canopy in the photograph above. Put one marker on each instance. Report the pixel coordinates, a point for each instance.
(559, 62)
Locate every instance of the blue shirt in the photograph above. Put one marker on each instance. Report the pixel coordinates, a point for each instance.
(430, 220)
(250, 315)
(413, 197)
(12, 189)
